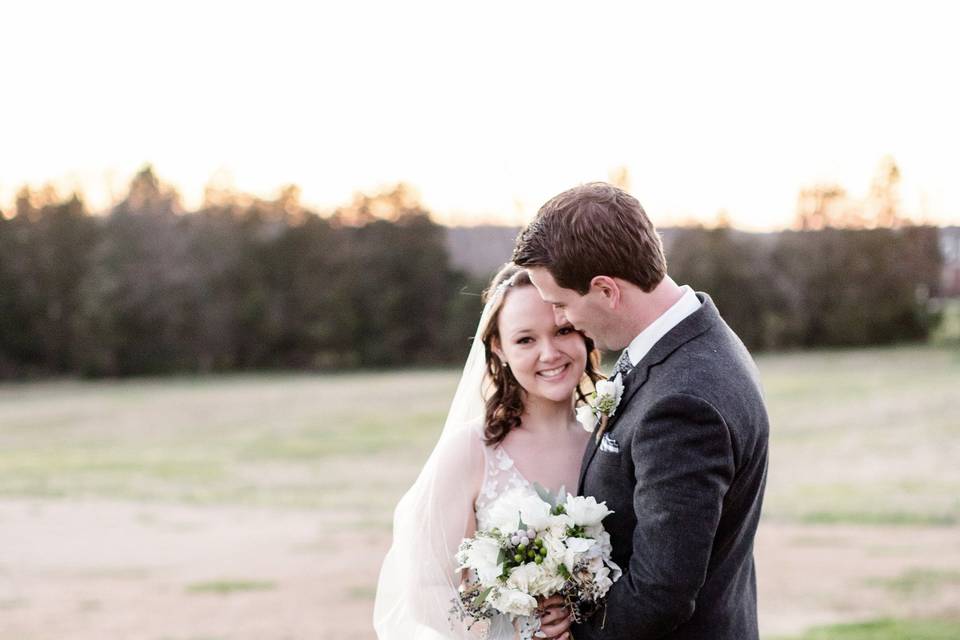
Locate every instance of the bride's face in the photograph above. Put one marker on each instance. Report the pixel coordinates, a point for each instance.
(546, 359)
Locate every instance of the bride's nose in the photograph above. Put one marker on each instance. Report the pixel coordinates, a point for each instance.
(548, 351)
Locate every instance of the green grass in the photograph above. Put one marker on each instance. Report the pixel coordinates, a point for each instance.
(362, 593)
(918, 582)
(226, 587)
(886, 630)
(863, 436)
(279, 440)
(947, 333)
(857, 436)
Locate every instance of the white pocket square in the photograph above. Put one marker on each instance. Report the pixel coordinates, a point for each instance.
(609, 445)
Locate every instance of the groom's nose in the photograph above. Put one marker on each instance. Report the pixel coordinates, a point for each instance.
(558, 317)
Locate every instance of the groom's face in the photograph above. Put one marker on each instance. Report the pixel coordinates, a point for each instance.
(582, 311)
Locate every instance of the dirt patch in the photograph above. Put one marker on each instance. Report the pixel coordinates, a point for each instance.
(94, 570)
(108, 569)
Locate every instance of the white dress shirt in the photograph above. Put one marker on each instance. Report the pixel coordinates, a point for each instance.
(641, 345)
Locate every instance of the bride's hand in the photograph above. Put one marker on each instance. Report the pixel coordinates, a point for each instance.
(555, 619)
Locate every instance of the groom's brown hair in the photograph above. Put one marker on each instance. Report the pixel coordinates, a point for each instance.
(592, 230)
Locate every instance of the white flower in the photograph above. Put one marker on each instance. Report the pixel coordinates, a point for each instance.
(535, 579)
(608, 388)
(602, 538)
(573, 548)
(553, 544)
(482, 556)
(605, 402)
(523, 576)
(506, 513)
(513, 601)
(615, 571)
(609, 393)
(587, 418)
(585, 511)
(603, 581)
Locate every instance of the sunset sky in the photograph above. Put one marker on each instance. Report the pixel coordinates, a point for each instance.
(490, 108)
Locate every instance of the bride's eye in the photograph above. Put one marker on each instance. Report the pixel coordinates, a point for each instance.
(566, 331)
(525, 340)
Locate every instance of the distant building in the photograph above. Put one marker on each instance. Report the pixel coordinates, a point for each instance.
(950, 249)
(479, 251)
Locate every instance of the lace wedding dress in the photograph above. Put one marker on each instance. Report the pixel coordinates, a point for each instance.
(419, 579)
(500, 475)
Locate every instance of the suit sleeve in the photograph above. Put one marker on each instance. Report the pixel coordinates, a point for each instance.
(683, 461)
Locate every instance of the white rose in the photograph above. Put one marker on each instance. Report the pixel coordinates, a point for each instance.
(535, 512)
(553, 544)
(603, 581)
(525, 576)
(613, 388)
(586, 418)
(608, 395)
(551, 583)
(615, 571)
(558, 525)
(514, 601)
(603, 541)
(585, 511)
(506, 513)
(482, 557)
(594, 563)
(535, 579)
(573, 549)
(606, 388)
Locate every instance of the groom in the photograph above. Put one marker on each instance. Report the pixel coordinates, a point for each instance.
(683, 459)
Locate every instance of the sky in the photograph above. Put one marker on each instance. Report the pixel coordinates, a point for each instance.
(487, 109)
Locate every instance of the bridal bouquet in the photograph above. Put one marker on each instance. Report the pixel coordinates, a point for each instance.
(537, 545)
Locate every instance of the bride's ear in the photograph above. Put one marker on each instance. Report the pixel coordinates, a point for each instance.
(609, 288)
(495, 347)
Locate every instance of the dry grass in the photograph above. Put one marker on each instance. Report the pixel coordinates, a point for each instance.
(118, 498)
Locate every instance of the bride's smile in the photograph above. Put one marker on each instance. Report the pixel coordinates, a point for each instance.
(554, 374)
(546, 359)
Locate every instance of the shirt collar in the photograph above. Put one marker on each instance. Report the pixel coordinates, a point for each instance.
(641, 345)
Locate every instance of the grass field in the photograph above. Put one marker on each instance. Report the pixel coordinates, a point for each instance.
(259, 506)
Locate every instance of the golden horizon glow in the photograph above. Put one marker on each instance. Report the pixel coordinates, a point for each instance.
(710, 108)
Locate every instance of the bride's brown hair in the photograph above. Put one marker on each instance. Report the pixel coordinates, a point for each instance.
(504, 400)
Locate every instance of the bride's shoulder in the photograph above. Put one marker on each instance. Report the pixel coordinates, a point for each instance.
(470, 432)
(463, 442)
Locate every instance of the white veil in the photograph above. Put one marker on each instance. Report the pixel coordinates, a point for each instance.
(419, 581)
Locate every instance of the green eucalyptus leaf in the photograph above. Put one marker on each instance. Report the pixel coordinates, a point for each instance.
(545, 495)
(479, 600)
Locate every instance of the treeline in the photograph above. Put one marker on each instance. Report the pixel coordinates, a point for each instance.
(825, 288)
(249, 284)
(240, 284)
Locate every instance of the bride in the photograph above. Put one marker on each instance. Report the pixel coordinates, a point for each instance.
(511, 425)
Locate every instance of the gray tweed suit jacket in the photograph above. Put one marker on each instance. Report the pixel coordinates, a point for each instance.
(683, 465)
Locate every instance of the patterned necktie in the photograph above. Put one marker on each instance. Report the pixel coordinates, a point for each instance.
(623, 365)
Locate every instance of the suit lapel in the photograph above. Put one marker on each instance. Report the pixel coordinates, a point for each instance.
(592, 444)
(688, 329)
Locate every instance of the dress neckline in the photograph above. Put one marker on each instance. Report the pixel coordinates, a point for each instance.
(513, 463)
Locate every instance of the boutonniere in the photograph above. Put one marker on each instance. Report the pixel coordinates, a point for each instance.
(601, 406)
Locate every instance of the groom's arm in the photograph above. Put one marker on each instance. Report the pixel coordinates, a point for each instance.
(683, 460)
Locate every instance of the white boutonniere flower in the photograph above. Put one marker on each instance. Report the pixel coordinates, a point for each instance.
(602, 406)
